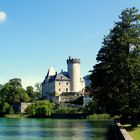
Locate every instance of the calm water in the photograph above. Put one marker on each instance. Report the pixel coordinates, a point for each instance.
(54, 129)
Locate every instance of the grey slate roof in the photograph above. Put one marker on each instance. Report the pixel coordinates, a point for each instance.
(59, 77)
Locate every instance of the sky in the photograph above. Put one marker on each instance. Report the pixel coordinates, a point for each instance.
(38, 34)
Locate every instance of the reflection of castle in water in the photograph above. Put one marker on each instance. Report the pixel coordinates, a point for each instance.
(64, 82)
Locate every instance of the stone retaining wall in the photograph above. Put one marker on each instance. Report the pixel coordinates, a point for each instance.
(121, 133)
(23, 106)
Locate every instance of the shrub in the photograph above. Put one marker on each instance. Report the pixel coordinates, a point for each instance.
(4, 107)
(40, 108)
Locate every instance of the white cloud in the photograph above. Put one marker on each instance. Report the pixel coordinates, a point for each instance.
(100, 32)
(3, 16)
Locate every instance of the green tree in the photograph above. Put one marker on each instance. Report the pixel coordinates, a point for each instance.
(24, 97)
(13, 93)
(30, 91)
(1, 86)
(116, 76)
(92, 107)
(38, 90)
(4, 108)
(41, 108)
(15, 82)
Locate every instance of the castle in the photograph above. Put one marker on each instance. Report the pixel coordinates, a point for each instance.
(71, 81)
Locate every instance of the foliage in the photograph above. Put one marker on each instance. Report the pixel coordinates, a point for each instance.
(31, 93)
(92, 107)
(116, 76)
(31, 109)
(4, 107)
(67, 110)
(15, 82)
(101, 116)
(16, 115)
(38, 87)
(12, 93)
(1, 86)
(41, 108)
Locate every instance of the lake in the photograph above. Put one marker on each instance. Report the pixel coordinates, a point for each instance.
(55, 129)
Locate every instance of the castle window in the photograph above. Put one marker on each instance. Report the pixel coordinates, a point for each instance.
(61, 77)
(66, 89)
(67, 83)
(59, 83)
(59, 89)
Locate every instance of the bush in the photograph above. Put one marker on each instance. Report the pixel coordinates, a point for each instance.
(4, 108)
(41, 108)
(92, 107)
(66, 110)
(101, 116)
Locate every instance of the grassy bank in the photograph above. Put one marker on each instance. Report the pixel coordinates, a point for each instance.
(101, 116)
(16, 116)
(134, 132)
(93, 116)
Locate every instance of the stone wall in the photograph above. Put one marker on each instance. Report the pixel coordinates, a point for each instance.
(62, 86)
(121, 133)
(65, 99)
(24, 106)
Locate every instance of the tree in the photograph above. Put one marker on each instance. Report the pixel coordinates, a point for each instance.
(30, 92)
(116, 76)
(4, 108)
(13, 93)
(15, 82)
(1, 86)
(24, 97)
(92, 107)
(41, 108)
(38, 87)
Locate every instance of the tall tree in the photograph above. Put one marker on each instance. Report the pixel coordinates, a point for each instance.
(116, 76)
(1, 86)
(30, 91)
(38, 89)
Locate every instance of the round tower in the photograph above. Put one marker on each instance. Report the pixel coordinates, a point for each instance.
(73, 65)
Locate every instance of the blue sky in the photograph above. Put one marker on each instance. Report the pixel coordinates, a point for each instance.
(37, 34)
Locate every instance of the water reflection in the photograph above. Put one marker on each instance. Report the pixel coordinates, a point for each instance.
(54, 129)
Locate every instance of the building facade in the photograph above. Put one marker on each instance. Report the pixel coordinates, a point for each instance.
(63, 82)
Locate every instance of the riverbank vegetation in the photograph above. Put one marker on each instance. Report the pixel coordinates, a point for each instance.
(12, 94)
(41, 109)
(101, 116)
(45, 108)
(16, 116)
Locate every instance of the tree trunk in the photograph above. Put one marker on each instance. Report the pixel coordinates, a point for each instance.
(134, 121)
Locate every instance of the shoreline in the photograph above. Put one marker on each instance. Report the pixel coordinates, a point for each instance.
(64, 116)
(53, 116)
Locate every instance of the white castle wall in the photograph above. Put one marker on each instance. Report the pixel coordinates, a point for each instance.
(74, 71)
(74, 74)
(62, 86)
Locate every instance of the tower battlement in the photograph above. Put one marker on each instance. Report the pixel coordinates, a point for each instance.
(73, 60)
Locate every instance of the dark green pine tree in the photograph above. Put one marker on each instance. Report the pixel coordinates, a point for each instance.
(116, 76)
